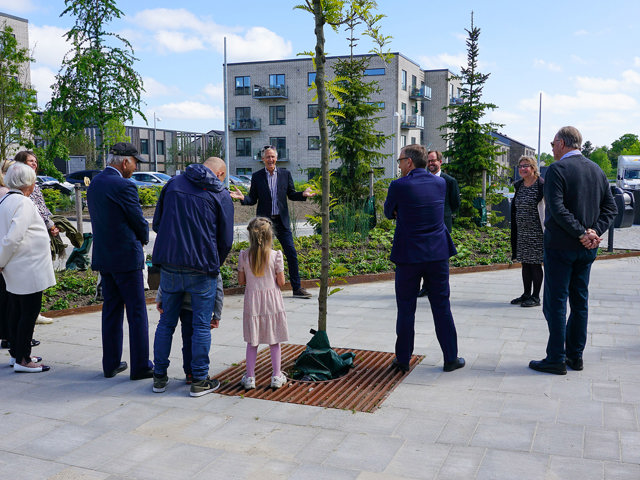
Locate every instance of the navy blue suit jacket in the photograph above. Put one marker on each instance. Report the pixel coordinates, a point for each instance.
(260, 193)
(416, 201)
(119, 228)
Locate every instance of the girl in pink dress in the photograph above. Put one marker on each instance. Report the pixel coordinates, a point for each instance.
(264, 318)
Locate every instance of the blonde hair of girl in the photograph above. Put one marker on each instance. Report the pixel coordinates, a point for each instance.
(260, 241)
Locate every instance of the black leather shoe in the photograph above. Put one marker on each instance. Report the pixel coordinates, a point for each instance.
(574, 363)
(520, 299)
(531, 302)
(121, 368)
(404, 367)
(546, 367)
(35, 343)
(142, 375)
(4, 344)
(456, 364)
(423, 292)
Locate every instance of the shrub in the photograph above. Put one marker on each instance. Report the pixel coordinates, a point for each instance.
(149, 195)
(56, 201)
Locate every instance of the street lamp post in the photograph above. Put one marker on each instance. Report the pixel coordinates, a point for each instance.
(155, 143)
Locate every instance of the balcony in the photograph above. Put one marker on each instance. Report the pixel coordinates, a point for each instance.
(245, 125)
(423, 93)
(413, 121)
(456, 101)
(283, 155)
(265, 93)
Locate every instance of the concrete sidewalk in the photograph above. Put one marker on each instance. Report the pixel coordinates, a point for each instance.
(494, 419)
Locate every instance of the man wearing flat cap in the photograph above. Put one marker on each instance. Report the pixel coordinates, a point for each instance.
(119, 232)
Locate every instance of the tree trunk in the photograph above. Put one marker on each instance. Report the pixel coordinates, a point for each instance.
(324, 156)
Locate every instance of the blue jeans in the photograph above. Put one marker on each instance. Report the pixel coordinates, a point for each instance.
(202, 288)
(566, 276)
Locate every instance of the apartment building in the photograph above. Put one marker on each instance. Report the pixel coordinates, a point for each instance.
(20, 27)
(270, 103)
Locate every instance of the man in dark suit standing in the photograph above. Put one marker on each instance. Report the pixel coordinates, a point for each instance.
(119, 232)
(270, 188)
(421, 248)
(451, 199)
(580, 208)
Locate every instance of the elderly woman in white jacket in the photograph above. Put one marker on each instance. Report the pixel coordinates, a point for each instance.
(25, 263)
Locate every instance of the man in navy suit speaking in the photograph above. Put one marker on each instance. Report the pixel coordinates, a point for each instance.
(421, 248)
(270, 188)
(119, 232)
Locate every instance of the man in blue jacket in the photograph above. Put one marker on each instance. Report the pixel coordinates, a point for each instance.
(421, 248)
(119, 232)
(194, 223)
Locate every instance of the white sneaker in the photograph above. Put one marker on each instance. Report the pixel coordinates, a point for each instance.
(43, 320)
(279, 380)
(249, 383)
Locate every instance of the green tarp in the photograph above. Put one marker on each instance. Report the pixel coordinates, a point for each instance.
(320, 362)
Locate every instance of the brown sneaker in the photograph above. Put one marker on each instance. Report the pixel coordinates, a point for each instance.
(301, 293)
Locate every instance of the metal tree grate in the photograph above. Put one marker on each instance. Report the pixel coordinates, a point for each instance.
(363, 389)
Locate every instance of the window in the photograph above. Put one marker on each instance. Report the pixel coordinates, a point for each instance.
(403, 111)
(413, 140)
(243, 113)
(311, 77)
(243, 147)
(404, 79)
(414, 81)
(276, 80)
(144, 146)
(403, 141)
(281, 146)
(243, 171)
(243, 85)
(374, 71)
(160, 147)
(380, 105)
(277, 115)
(314, 143)
(312, 110)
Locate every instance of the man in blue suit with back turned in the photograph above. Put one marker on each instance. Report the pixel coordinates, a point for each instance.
(119, 232)
(421, 248)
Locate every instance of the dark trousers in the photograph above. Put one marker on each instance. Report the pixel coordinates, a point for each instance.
(4, 310)
(284, 235)
(407, 284)
(567, 276)
(23, 313)
(120, 290)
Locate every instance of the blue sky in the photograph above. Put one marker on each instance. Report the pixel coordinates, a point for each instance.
(582, 56)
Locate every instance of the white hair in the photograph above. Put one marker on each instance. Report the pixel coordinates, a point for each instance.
(19, 176)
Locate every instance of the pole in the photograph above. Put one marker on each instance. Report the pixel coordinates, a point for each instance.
(226, 116)
(155, 145)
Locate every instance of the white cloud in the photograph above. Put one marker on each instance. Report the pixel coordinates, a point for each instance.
(580, 102)
(22, 6)
(178, 30)
(581, 33)
(546, 65)
(444, 60)
(42, 78)
(48, 44)
(214, 91)
(636, 61)
(190, 110)
(594, 84)
(154, 88)
(177, 42)
(579, 60)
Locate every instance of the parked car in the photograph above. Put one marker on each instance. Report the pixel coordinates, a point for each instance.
(151, 178)
(234, 180)
(49, 182)
(79, 176)
(245, 178)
